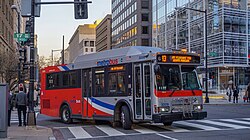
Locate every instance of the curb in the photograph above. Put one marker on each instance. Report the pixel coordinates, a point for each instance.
(215, 97)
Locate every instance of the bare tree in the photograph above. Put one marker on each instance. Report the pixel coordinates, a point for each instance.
(8, 67)
(44, 62)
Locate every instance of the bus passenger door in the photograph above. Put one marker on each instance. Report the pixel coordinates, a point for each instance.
(147, 79)
(138, 111)
(142, 91)
(86, 92)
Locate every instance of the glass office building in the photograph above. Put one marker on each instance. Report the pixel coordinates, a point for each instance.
(228, 32)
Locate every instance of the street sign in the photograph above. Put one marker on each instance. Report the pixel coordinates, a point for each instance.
(21, 35)
(22, 39)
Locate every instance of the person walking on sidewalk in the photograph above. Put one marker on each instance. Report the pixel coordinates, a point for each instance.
(229, 92)
(21, 101)
(10, 106)
(235, 94)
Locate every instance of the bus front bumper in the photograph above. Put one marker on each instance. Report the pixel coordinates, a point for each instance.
(178, 116)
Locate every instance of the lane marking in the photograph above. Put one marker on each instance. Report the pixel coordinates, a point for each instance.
(236, 121)
(143, 130)
(109, 130)
(166, 136)
(174, 129)
(204, 127)
(224, 124)
(79, 132)
(248, 119)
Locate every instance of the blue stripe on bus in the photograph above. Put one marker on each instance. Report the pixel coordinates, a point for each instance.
(100, 103)
(66, 68)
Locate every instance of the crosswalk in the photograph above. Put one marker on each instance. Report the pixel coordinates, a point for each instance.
(99, 131)
(14, 117)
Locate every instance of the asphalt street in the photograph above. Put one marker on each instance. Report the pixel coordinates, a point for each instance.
(224, 121)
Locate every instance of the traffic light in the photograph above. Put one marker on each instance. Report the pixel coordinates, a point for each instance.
(25, 55)
(81, 9)
(28, 26)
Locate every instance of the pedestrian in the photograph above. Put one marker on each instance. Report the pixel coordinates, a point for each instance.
(248, 92)
(235, 94)
(229, 92)
(36, 93)
(21, 101)
(10, 106)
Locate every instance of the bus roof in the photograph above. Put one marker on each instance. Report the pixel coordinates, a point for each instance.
(115, 56)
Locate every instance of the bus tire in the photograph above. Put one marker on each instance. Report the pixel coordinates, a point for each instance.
(167, 123)
(65, 115)
(125, 118)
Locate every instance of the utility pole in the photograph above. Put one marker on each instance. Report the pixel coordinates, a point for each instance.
(81, 12)
(31, 114)
(205, 47)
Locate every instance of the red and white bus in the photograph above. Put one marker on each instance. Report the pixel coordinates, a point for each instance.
(125, 86)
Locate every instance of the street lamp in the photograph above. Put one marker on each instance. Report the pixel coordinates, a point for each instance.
(14, 7)
(52, 51)
(206, 70)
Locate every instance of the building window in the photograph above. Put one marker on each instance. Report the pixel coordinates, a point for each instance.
(144, 17)
(92, 49)
(86, 49)
(144, 29)
(145, 42)
(145, 5)
(92, 43)
(86, 43)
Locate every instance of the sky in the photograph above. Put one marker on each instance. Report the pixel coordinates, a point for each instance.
(58, 20)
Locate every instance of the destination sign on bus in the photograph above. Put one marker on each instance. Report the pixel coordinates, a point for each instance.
(175, 58)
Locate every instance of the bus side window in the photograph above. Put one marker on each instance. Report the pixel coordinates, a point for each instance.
(99, 82)
(116, 83)
(121, 83)
(52, 81)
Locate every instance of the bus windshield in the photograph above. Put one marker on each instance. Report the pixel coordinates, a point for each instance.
(168, 77)
(189, 78)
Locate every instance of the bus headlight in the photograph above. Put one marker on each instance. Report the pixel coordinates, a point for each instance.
(197, 107)
(164, 109)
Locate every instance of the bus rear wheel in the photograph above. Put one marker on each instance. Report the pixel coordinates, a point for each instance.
(167, 123)
(65, 115)
(125, 118)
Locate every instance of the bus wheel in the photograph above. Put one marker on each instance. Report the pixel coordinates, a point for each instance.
(65, 115)
(125, 118)
(167, 123)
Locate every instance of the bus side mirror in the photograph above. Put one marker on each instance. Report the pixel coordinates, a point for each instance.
(157, 68)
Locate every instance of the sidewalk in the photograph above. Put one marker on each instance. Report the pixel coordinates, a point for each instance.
(29, 133)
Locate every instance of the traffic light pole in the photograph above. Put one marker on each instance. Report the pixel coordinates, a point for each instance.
(31, 114)
(31, 121)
